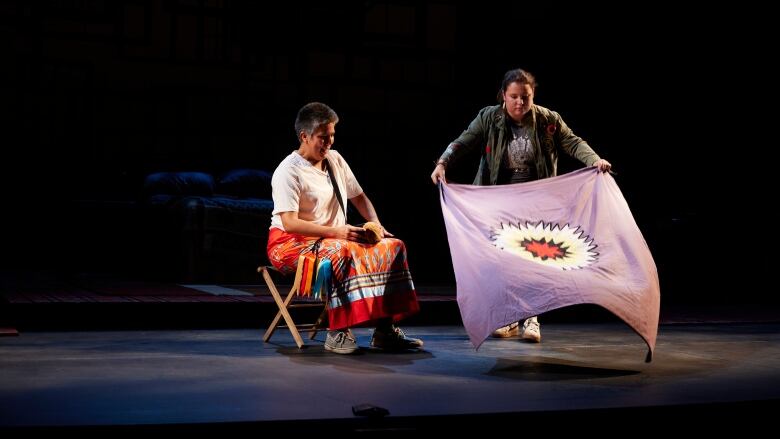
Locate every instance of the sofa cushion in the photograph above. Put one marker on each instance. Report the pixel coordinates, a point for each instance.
(179, 183)
(245, 183)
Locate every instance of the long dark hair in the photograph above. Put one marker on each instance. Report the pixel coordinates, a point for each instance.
(515, 75)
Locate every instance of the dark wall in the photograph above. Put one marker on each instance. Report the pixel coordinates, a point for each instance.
(97, 94)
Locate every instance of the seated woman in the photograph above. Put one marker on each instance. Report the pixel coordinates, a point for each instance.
(371, 283)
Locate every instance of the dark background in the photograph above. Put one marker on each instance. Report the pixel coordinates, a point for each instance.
(97, 94)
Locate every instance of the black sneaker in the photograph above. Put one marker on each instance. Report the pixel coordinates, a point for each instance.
(394, 340)
(340, 342)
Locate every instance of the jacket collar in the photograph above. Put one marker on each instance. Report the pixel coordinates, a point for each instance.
(528, 120)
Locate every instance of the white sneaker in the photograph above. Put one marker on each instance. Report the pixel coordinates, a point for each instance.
(509, 330)
(340, 342)
(531, 330)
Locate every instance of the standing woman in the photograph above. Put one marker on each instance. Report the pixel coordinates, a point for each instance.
(520, 142)
(371, 283)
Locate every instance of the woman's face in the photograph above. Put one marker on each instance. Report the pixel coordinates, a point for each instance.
(315, 147)
(518, 99)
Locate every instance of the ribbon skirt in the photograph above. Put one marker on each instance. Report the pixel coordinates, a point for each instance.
(369, 281)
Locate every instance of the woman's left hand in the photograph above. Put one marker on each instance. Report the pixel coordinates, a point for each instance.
(603, 165)
(385, 232)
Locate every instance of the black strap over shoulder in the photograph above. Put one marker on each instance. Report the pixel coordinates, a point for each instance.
(335, 188)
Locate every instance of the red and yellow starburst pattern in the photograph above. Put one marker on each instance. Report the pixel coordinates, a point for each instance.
(564, 247)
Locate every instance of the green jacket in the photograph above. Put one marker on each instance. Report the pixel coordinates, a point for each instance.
(490, 132)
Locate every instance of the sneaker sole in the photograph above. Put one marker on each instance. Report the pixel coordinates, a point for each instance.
(341, 351)
(398, 348)
(533, 338)
(512, 333)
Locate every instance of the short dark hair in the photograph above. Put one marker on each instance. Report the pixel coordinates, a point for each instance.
(313, 115)
(515, 75)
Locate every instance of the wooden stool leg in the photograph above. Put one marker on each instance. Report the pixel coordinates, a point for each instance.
(275, 323)
(283, 312)
(320, 319)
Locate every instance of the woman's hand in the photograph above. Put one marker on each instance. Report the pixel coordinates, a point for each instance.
(438, 174)
(603, 165)
(350, 233)
(385, 233)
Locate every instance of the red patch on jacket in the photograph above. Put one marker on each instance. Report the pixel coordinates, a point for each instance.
(551, 128)
(487, 149)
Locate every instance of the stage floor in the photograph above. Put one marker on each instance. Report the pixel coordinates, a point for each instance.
(199, 377)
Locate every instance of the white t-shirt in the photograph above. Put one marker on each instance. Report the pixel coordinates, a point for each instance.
(298, 186)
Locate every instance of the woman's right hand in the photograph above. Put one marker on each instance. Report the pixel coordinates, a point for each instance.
(438, 174)
(350, 233)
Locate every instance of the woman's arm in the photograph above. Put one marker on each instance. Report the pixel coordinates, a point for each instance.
(471, 138)
(367, 211)
(293, 224)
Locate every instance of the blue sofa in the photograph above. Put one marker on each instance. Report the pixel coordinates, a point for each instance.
(202, 228)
